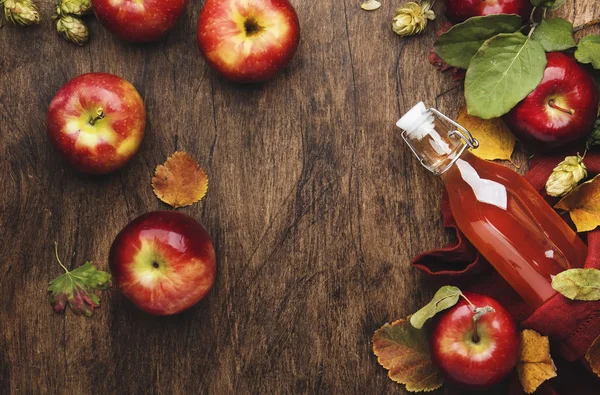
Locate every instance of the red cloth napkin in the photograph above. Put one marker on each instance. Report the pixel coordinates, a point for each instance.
(571, 325)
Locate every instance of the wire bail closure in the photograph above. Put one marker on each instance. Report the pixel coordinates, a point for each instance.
(460, 131)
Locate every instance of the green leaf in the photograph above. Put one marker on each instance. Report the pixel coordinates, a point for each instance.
(556, 4)
(443, 299)
(76, 287)
(552, 5)
(555, 34)
(459, 44)
(594, 137)
(504, 71)
(578, 284)
(588, 50)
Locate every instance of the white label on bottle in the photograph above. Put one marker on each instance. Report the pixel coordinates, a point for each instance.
(486, 191)
(549, 254)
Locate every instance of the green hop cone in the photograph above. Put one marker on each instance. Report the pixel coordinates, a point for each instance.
(74, 7)
(412, 18)
(72, 29)
(566, 176)
(21, 12)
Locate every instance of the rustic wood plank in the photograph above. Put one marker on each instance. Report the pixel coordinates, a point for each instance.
(315, 206)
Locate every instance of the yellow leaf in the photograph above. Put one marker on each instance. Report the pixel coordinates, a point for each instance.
(180, 181)
(535, 363)
(495, 139)
(404, 351)
(583, 205)
(593, 356)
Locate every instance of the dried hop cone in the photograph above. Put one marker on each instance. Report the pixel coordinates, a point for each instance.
(21, 12)
(72, 29)
(566, 176)
(74, 7)
(411, 18)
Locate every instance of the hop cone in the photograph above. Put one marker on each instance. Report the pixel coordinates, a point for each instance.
(74, 7)
(566, 176)
(72, 29)
(21, 12)
(412, 18)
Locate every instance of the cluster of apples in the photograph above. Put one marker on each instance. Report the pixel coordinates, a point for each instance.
(244, 40)
(562, 109)
(163, 261)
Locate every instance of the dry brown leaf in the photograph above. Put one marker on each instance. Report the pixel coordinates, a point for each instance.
(495, 139)
(180, 181)
(593, 356)
(583, 205)
(404, 351)
(535, 363)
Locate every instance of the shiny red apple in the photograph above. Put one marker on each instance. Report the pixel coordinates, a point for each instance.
(561, 110)
(164, 262)
(96, 121)
(248, 40)
(138, 20)
(461, 10)
(478, 357)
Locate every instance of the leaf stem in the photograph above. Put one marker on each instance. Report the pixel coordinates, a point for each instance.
(468, 301)
(531, 15)
(433, 3)
(58, 259)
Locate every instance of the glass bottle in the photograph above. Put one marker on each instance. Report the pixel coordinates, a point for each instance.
(502, 215)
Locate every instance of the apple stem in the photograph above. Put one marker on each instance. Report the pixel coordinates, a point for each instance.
(552, 104)
(586, 25)
(479, 312)
(100, 115)
(475, 336)
(58, 259)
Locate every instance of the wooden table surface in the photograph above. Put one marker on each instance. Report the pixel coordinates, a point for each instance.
(315, 206)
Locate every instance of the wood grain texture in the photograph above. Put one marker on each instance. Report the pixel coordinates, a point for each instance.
(315, 206)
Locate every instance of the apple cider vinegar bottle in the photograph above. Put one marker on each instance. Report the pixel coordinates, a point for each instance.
(504, 217)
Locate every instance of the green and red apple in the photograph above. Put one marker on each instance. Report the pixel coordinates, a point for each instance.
(164, 262)
(475, 356)
(96, 121)
(561, 110)
(248, 40)
(138, 20)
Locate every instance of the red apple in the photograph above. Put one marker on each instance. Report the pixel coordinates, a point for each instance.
(478, 358)
(561, 110)
(138, 20)
(248, 40)
(96, 121)
(461, 10)
(164, 262)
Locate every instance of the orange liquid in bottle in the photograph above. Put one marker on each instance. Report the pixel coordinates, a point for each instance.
(527, 243)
